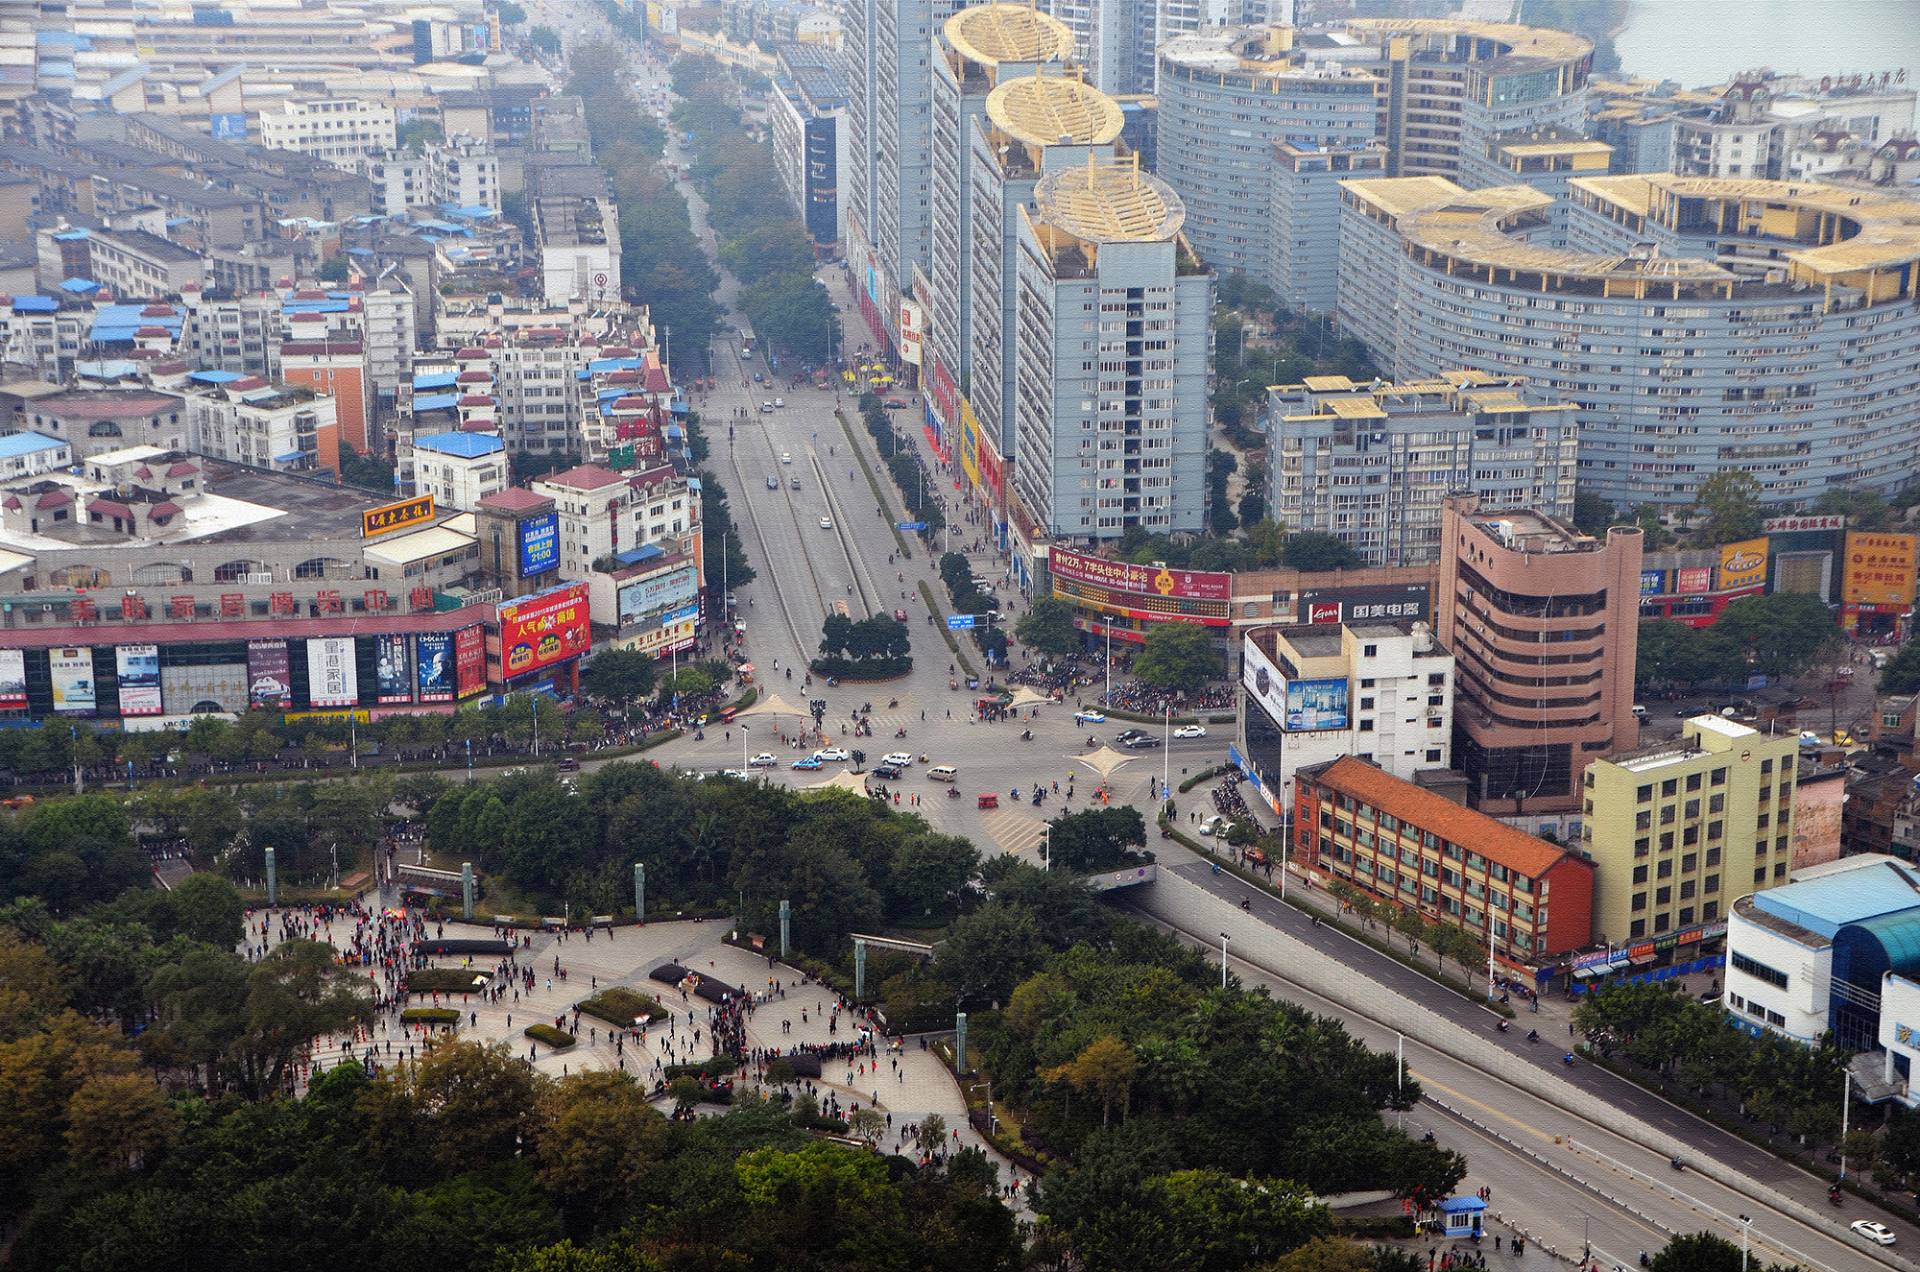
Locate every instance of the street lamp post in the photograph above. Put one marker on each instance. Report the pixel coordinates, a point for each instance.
(1224, 938)
(1746, 1227)
(1166, 753)
(1846, 1107)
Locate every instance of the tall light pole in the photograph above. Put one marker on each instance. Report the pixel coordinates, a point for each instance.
(1224, 938)
(1108, 699)
(1046, 849)
(1746, 1226)
(1846, 1107)
(1166, 753)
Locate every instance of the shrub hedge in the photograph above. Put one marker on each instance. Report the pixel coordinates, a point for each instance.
(444, 980)
(619, 1006)
(430, 1016)
(555, 1038)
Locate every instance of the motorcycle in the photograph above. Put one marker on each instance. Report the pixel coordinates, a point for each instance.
(1567, 1059)
(900, 732)
(892, 703)
(1026, 735)
(953, 792)
(1533, 1035)
(1501, 1026)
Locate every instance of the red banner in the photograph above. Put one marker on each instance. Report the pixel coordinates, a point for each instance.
(540, 630)
(470, 660)
(1144, 580)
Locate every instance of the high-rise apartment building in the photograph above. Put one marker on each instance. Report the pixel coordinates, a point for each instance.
(1677, 831)
(889, 73)
(1701, 325)
(1032, 126)
(1543, 622)
(1258, 125)
(1373, 463)
(1113, 352)
(976, 50)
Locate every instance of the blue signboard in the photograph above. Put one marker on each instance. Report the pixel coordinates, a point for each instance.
(959, 622)
(229, 126)
(1653, 582)
(911, 526)
(539, 544)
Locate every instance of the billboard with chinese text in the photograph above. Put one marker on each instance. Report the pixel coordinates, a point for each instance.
(470, 660)
(1879, 570)
(539, 544)
(433, 666)
(269, 675)
(13, 679)
(71, 670)
(1315, 704)
(668, 588)
(138, 668)
(1142, 580)
(543, 629)
(333, 680)
(392, 676)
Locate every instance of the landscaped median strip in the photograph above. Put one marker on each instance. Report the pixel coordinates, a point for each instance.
(853, 445)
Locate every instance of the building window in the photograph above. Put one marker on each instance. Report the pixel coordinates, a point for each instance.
(1757, 970)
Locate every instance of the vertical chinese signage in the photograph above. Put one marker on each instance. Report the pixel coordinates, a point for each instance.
(392, 674)
(332, 678)
(71, 670)
(269, 675)
(434, 667)
(13, 679)
(139, 671)
(470, 660)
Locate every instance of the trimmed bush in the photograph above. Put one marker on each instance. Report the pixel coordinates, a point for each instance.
(713, 1067)
(555, 1038)
(445, 980)
(430, 1016)
(619, 1006)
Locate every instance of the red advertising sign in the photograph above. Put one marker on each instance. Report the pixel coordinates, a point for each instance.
(1144, 580)
(540, 630)
(1693, 579)
(470, 660)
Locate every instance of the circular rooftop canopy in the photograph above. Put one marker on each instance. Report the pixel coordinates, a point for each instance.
(994, 33)
(1054, 110)
(1110, 203)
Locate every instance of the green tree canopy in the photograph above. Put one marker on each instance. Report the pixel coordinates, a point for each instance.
(1048, 626)
(1730, 506)
(1313, 552)
(1177, 656)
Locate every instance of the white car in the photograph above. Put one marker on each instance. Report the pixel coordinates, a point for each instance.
(1873, 1230)
(763, 760)
(780, 402)
(899, 759)
(786, 457)
(833, 753)
(1190, 731)
(1089, 716)
(826, 523)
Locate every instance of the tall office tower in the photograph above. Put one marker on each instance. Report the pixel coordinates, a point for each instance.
(1115, 39)
(1514, 585)
(977, 49)
(1702, 325)
(1113, 325)
(1228, 97)
(889, 56)
(1033, 126)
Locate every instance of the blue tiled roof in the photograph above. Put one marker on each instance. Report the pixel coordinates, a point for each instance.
(435, 380)
(434, 401)
(465, 445)
(35, 304)
(634, 556)
(214, 377)
(13, 445)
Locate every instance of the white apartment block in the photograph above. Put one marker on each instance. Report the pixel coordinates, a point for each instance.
(459, 469)
(591, 503)
(340, 130)
(262, 425)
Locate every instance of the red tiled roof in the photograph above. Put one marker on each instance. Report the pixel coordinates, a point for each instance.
(12, 504)
(157, 311)
(1476, 832)
(113, 506)
(165, 508)
(150, 331)
(475, 399)
(53, 499)
(584, 477)
(143, 473)
(474, 377)
(185, 468)
(657, 381)
(514, 499)
(470, 352)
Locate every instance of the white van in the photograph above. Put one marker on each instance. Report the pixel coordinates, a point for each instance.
(943, 773)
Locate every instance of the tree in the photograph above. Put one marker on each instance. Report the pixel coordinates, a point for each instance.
(1177, 656)
(368, 472)
(597, 1141)
(116, 1122)
(1863, 509)
(545, 39)
(621, 675)
(294, 994)
(1096, 839)
(867, 1124)
(1214, 1222)
(1781, 633)
(929, 873)
(1048, 627)
(416, 133)
(1592, 513)
(990, 951)
(1729, 502)
(1311, 552)
(1902, 672)
(1699, 1252)
(1328, 1254)
(1104, 1070)
(209, 909)
(510, 13)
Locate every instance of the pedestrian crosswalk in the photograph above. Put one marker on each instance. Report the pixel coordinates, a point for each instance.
(1014, 831)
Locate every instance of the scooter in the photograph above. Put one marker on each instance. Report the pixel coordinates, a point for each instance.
(900, 732)
(1567, 1059)
(1026, 735)
(1501, 1025)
